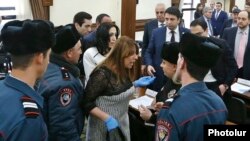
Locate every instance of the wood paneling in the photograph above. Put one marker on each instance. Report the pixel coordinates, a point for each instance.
(139, 25)
(232, 3)
(47, 2)
(176, 3)
(128, 18)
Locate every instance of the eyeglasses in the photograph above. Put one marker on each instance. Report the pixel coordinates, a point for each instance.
(159, 12)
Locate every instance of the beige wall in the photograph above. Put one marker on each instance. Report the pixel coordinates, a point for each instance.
(63, 11)
(146, 8)
(240, 4)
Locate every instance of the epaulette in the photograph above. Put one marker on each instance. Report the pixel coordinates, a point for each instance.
(169, 101)
(30, 107)
(65, 74)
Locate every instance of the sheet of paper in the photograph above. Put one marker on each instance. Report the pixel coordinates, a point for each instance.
(243, 81)
(151, 93)
(143, 100)
(239, 88)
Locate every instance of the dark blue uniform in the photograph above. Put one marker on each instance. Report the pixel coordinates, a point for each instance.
(62, 90)
(20, 112)
(183, 117)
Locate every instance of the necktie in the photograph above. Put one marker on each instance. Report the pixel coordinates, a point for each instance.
(162, 24)
(172, 37)
(210, 27)
(216, 15)
(241, 50)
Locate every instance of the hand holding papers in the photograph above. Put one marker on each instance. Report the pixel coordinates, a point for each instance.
(145, 100)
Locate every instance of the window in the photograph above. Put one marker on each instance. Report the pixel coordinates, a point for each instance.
(15, 9)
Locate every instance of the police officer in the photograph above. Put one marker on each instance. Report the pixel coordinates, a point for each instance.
(169, 55)
(29, 44)
(62, 89)
(182, 117)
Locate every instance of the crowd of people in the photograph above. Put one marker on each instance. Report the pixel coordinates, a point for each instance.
(62, 76)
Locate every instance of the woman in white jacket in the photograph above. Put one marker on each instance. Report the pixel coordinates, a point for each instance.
(106, 35)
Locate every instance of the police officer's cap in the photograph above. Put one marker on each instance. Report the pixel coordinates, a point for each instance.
(27, 37)
(199, 50)
(170, 52)
(65, 39)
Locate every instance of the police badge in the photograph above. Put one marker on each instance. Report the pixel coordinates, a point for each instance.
(171, 93)
(65, 96)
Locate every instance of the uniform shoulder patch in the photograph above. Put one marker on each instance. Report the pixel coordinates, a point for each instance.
(163, 130)
(30, 107)
(65, 96)
(65, 73)
(170, 99)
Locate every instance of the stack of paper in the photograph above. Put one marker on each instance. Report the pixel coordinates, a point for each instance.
(241, 86)
(143, 100)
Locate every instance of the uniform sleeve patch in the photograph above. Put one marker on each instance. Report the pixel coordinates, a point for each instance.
(30, 107)
(163, 130)
(65, 96)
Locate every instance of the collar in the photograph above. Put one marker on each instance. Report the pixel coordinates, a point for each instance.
(24, 89)
(206, 18)
(176, 30)
(159, 23)
(246, 30)
(218, 11)
(60, 61)
(196, 86)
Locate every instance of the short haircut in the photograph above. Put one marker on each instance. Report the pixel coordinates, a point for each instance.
(196, 71)
(219, 3)
(80, 17)
(199, 22)
(206, 9)
(174, 11)
(100, 17)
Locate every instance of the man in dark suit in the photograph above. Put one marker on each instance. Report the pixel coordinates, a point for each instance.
(221, 76)
(231, 22)
(171, 33)
(149, 26)
(218, 18)
(239, 41)
(207, 15)
(90, 38)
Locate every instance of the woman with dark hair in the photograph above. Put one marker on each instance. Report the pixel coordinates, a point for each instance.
(106, 35)
(198, 11)
(109, 89)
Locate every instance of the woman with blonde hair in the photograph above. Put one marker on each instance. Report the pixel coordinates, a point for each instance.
(109, 90)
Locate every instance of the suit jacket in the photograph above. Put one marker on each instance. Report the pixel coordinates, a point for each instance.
(153, 53)
(89, 40)
(227, 24)
(230, 36)
(197, 14)
(204, 20)
(218, 23)
(148, 28)
(226, 68)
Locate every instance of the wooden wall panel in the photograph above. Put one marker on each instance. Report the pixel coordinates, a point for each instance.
(128, 18)
(47, 2)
